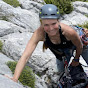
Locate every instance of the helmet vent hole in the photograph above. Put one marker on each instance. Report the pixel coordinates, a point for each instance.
(45, 14)
(56, 9)
(52, 14)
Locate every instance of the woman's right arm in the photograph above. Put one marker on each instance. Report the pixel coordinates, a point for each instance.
(26, 54)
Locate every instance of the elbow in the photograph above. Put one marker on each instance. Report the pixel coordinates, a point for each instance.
(80, 48)
(24, 59)
(27, 59)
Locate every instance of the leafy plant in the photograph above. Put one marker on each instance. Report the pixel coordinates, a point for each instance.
(4, 18)
(64, 6)
(1, 44)
(27, 77)
(85, 25)
(14, 3)
(78, 0)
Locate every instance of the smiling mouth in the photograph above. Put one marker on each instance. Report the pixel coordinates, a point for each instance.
(52, 31)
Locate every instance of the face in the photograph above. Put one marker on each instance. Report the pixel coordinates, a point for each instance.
(50, 26)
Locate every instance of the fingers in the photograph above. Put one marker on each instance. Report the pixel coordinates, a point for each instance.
(11, 78)
(7, 76)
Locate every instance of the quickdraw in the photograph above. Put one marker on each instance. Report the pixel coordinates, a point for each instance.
(83, 37)
(68, 81)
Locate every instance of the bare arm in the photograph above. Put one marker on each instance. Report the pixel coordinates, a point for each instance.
(26, 54)
(72, 35)
(77, 42)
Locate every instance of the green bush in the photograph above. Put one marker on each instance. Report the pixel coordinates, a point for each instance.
(27, 76)
(64, 6)
(4, 18)
(14, 3)
(1, 44)
(85, 25)
(67, 6)
(78, 0)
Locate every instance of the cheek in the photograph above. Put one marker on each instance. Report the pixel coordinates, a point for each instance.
(56, 26)
(46, 28)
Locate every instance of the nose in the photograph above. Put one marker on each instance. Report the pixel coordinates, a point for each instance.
(50, 27)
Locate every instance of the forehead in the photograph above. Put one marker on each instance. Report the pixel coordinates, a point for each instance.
(49, 20)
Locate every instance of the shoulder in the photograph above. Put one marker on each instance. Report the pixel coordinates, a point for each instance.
(68, 31)
(39, 34)
(66, 27)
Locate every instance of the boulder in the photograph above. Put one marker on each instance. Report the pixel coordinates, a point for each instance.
(21, 17)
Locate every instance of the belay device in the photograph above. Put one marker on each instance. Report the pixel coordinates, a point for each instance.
(73, 77)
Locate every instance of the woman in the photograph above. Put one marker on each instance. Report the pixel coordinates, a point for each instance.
(58, 37)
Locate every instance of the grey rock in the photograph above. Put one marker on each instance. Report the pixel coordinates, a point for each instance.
(7, 83)
(9, 28)
(15, 32)
(21, 17)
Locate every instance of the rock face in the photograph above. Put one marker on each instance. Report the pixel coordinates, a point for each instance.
(5, 81)
(78, 16)
(16, 28)
(21, 17)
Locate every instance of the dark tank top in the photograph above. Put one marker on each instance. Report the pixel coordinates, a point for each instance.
(58, 49)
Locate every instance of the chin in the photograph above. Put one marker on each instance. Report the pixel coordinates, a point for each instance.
(53, 34)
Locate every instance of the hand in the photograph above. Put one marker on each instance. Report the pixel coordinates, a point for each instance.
(74, 63)
(11, 78)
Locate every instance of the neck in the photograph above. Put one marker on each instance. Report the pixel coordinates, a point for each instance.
(55, 39)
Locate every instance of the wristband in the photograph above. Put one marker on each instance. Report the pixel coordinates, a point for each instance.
(76, 60)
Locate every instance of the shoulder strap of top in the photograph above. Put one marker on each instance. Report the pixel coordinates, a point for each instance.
(60, 30)
(61, 35)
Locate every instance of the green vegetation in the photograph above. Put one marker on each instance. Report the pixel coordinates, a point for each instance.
(27, 77)
(86, 15)
(4, 18)
(1, 44)
(79, 0)
(64, 6)
(14, 3)
(85, 25)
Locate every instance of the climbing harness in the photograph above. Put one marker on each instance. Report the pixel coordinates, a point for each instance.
(73, 77)
(82, 35)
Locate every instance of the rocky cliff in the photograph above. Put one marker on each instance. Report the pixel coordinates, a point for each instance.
(17, 25)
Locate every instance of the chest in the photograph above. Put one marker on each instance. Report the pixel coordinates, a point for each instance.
(55, 40)
(58, 42)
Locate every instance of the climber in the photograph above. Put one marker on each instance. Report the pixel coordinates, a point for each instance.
(60, 38)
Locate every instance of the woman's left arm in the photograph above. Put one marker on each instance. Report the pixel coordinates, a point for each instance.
(72, 35)
(77, 42)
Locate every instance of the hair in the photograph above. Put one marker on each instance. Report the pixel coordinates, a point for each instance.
(44, 46)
